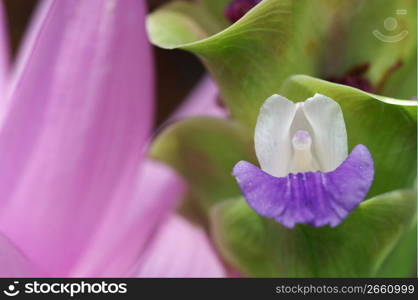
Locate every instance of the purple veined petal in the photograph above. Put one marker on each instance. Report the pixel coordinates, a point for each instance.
(81, 111)
(4, 55)
(13, 263)
(180, 249)
(129, 225)
(202, 101)
(314, 198)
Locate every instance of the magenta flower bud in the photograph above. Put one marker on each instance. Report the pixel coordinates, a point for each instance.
(237, 8)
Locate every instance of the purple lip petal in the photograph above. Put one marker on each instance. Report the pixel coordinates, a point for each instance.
(313, 198)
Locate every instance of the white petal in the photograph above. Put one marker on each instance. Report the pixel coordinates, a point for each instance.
(300, 123)
(328, 129)
(272, 135)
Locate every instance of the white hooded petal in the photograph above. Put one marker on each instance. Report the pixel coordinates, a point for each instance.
(272, 135)
(328, 131)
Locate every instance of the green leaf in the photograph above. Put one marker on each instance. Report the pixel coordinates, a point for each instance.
(278, 38)
(250, 58)
(181, 22)
(402, 261)
(384, 125)
(216, 8)
(204, 150)
(260, 247)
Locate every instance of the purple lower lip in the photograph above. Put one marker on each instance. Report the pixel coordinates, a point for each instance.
(314, 198)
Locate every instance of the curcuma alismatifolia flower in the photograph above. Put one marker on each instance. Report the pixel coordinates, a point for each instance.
(306, 176)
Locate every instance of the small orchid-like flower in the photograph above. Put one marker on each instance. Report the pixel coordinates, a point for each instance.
(306, 175)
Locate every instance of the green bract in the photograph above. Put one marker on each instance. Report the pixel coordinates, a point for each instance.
(279, 38)
(247, 59)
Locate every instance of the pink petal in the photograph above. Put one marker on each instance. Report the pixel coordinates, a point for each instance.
(12, 262)
(180, 249)
(4, 54)
(128, 228)
(202, 101)
(189, 244)
(71, 143)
